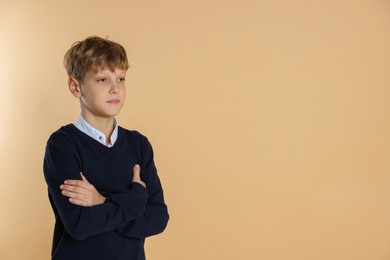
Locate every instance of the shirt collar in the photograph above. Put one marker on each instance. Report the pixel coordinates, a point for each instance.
(92, 132)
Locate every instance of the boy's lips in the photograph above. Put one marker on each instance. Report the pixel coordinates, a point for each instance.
(114, 101)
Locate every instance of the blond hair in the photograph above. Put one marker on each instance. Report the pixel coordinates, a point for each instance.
(94, 53)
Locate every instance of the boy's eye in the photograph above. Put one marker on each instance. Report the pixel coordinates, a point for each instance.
(103, 80)
(121, 79)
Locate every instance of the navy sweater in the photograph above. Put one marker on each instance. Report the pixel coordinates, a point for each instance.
(116, 229)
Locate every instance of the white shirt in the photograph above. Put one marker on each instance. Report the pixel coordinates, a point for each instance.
(89, 130)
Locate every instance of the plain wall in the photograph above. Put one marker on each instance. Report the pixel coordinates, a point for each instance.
(269, 121)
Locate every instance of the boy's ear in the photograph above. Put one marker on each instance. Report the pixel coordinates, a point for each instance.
(74, 87)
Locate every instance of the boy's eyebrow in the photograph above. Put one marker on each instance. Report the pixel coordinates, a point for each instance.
(120, 72)
(103, 75)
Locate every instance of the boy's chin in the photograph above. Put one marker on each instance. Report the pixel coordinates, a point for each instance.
(112, 113)
(108, 115)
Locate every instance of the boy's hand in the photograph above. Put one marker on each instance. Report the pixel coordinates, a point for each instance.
(82, 192)
(137, 175)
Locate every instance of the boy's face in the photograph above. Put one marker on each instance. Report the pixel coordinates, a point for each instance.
(102, 93)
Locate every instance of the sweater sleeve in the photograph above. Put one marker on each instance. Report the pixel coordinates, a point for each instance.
(62, 162)
(155, 218)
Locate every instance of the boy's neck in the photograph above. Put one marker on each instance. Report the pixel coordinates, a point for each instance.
(104, 125)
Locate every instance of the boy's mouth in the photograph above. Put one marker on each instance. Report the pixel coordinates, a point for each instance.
(114, 101)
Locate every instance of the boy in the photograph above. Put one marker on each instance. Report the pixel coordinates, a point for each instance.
(102, 182)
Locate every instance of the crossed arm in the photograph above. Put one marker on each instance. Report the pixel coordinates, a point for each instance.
(83, 193)
(134, 213)
(152, 222)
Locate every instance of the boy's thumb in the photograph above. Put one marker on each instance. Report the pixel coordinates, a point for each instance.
(83, 177)
(136, 171)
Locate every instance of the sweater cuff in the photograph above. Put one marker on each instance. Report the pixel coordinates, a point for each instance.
(134, 185)
(140, 189)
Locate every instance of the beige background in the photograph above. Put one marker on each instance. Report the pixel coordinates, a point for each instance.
(269, 120)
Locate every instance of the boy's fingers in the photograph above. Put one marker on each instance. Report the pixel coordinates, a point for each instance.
(77, 183)
(77, 202)
(75, 189)
(72, 195)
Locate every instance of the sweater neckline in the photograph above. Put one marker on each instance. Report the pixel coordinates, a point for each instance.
(107, 150)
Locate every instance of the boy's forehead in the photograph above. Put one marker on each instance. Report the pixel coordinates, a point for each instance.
(105, 69)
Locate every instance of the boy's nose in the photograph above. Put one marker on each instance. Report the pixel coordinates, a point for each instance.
(114, 88)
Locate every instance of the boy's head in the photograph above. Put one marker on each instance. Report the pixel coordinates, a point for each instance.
(92, 54)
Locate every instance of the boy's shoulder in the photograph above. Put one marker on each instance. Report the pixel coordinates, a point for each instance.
(133, 135)
(63, 133)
